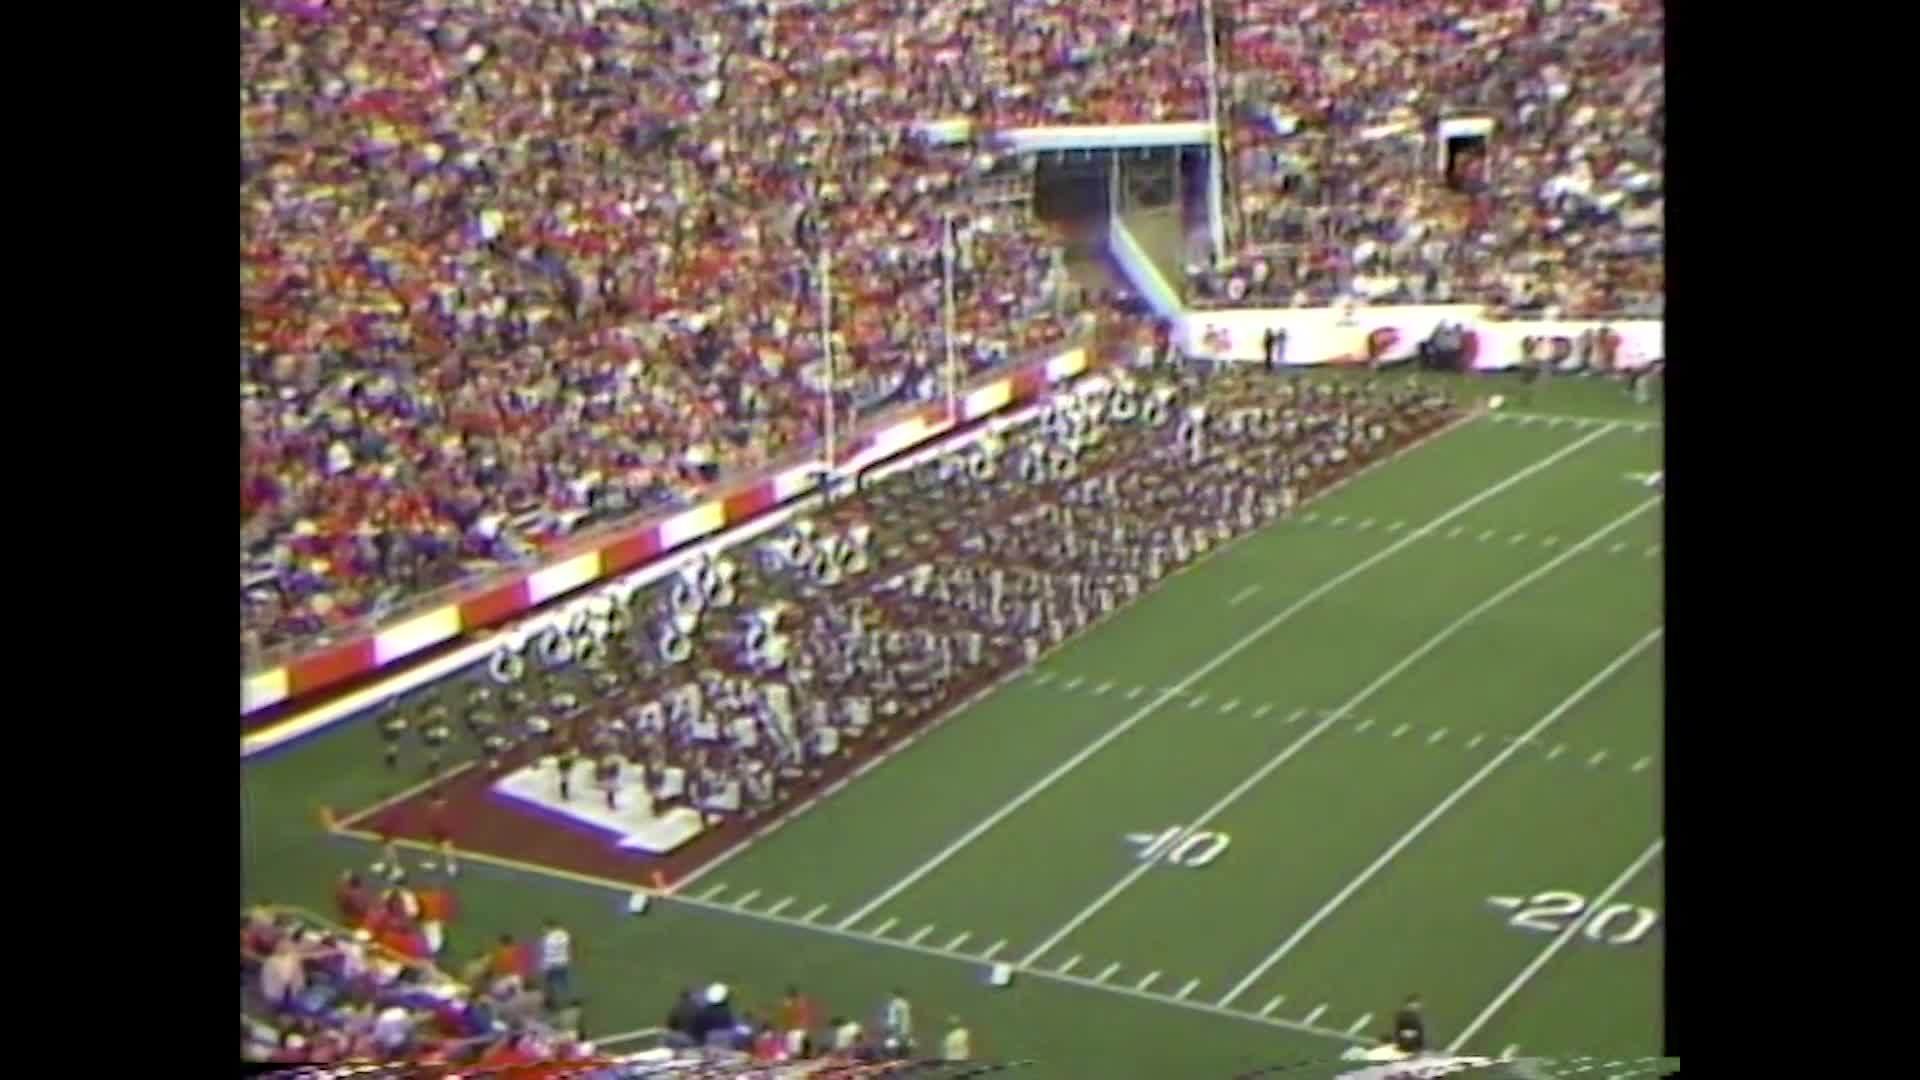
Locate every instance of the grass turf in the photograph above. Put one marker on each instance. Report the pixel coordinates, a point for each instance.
(1301, 833)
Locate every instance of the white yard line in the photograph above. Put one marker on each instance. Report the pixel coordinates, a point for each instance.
(1242, 595)
(806, 925)
(1446, 804)
(1559, 942)
(396, 799)
(1442, 637)
(1219, 660)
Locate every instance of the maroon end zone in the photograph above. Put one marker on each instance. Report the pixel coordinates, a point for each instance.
(484, 822)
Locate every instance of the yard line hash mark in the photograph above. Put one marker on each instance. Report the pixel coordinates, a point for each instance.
(1136, 692)
(1476, 740)
(1295, 715)
(1006, 810)
(1241, 596)
(1396, 526)
(1558, 749)
(1358, 1024)
(1072, 962)
(1436, 736)
(1074, 683)
(1367, 524)
(1272, 1005)
(881, 930)
(1402, 730)
(1485, 536)
(1596, 759)
(1454, 533)
(1042, 678)
(1518, 538)
(1616, 549)
(993, 950)
(1339, 521)
(815, 913)
(713, 892)
(1549, 541)
(1230, 705)
(1566, 705)
(1195, 702)
(954, 945)
(1262, 710)
(1147, 981)
(780, 907)
(1640, 766)
(920, 935)
(1107, 972)
(1365, 723)
(747, 899)
(1187, 989)
(1103, 687)
(1315, 1014)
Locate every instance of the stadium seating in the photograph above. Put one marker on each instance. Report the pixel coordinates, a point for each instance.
(1335, 106)
(511, 269)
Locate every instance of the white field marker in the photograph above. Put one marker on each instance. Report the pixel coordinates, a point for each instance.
(1072, 962)
(1339, 521)
(1315, 1014)
(1436, 736)
(1509, 1052)
(1596, 759)
(1042, 678)
(747, 899)
(1549, 541)
(713, 892)
(1295, 715)
(1136, 692)
(1360, 1023)
(1367, 524)
(1558, 749)
(954, 945)
(814, 914)
(1518, 538)
(1241, 597)
(1272, 1005)
(1107, 972)
(1652, 551)
(881, 930)
(1147, 981)
(780, 907)
(993, 950)
(1365, 723)
(1187, 989)
(1486, 536)
(1263, 710)
(1641, 765)
(1196, 701)
(1393, 850)
(1454, 533)
(1311, 515)
(1616, 549)
(920, 935)
(1073, 683)
(1396, 526)
(1103, 687)
(1476, 740)
(1220, 659)
(1402, 730)
(1230, 705)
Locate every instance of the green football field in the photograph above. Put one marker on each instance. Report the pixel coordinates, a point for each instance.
(1406, 740)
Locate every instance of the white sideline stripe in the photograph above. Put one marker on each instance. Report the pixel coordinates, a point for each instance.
(1072, 962)
(747, 899)
(1446, 804)
(1188, 989)
(624, 888)
(1559, 942)
(1446, 634)
(780, 907)
(1272, 1005)
(1146, 982)
(1107, 972)
(920, 935)
(1358, 1024)
(815, 913)
(1242, 595)
(1315, 1014)
(1007, 810)
(993, 950)
(881, 930)
(955, 944)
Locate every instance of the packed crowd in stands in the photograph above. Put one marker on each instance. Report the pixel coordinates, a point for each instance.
(1336, 150)
(510, 269)
(368, 990)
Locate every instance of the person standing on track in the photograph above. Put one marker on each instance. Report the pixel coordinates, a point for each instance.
(393, 732)
(556, 962)
(1410, 1026)
(440, 831)
(958, 1043)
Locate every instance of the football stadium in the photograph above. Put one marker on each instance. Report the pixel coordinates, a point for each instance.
(1112, 539)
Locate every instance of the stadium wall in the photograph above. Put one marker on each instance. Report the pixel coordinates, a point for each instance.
(1357, 335)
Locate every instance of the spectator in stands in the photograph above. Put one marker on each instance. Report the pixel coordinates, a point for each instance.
(683, 1019)
(282, 976)
(352, 899)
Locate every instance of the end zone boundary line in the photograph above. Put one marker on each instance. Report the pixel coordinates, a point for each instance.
(536, 870)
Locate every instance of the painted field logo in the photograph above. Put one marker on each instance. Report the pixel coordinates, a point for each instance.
(1553, 911)
(1178, 847)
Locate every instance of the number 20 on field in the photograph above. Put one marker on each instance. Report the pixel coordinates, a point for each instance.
(1551, 912)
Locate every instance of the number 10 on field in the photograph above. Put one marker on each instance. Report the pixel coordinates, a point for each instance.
(1551, 912)
(1177, 847)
